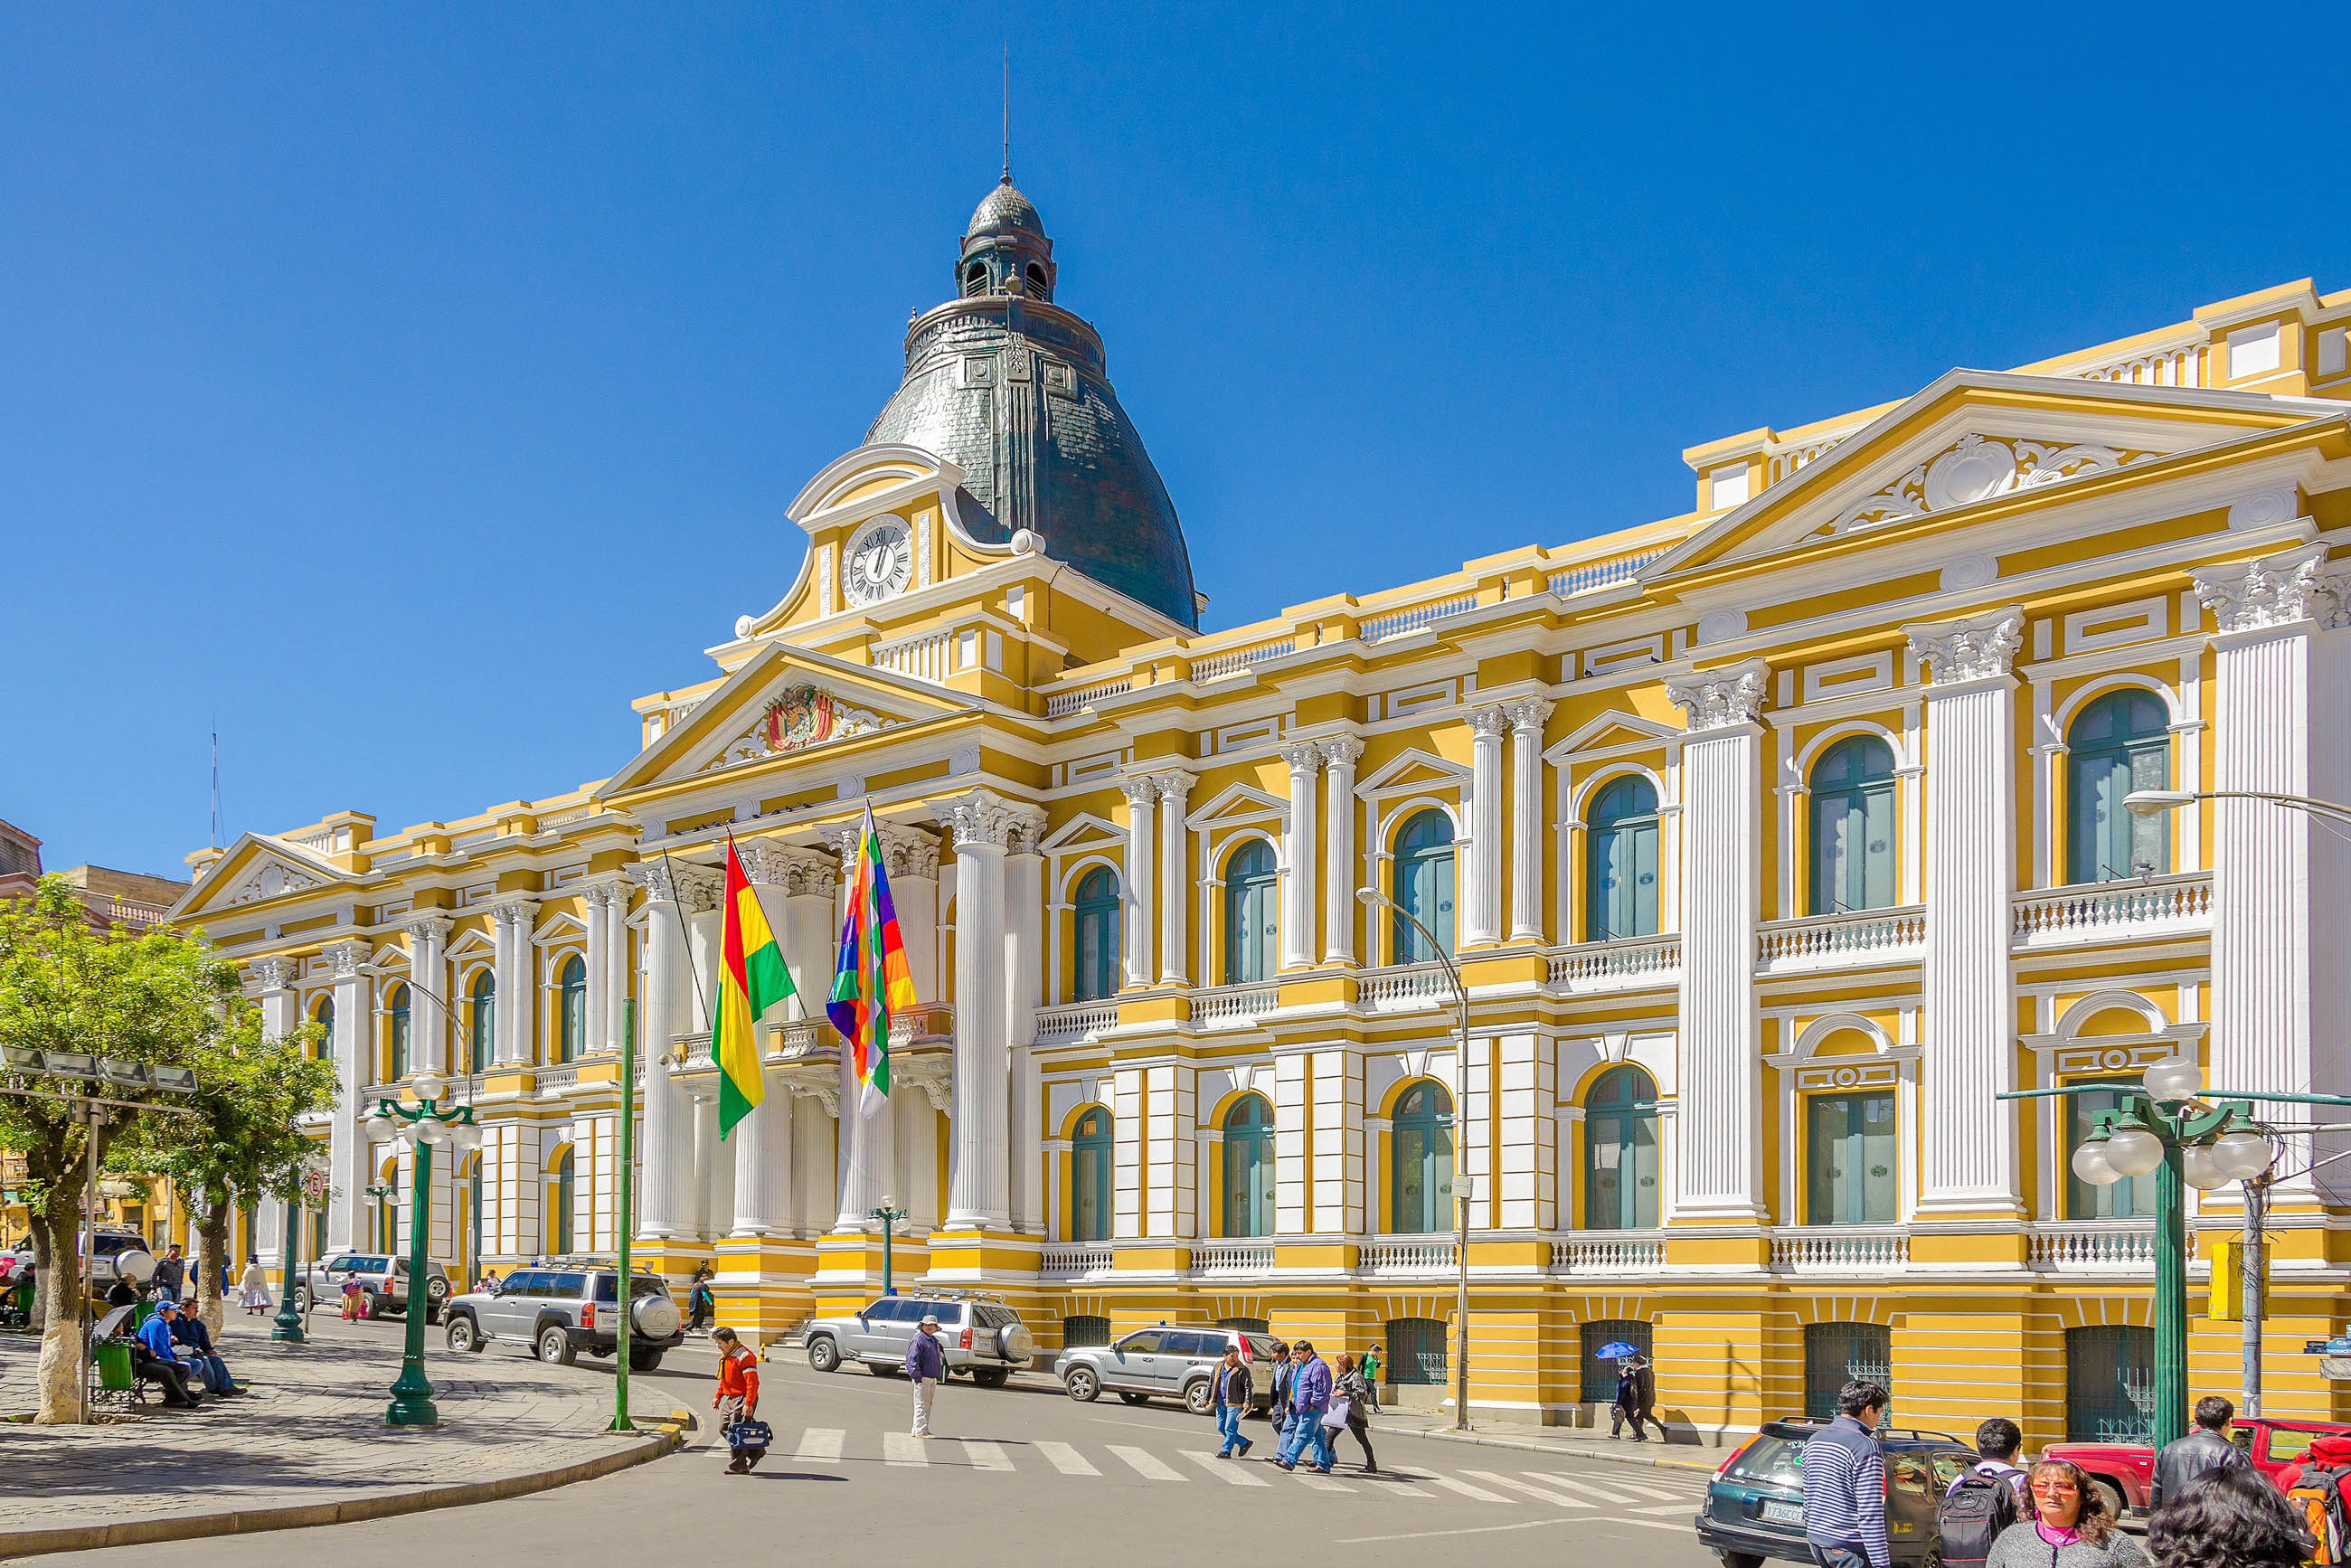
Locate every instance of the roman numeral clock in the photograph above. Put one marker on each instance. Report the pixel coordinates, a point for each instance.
(879, 562)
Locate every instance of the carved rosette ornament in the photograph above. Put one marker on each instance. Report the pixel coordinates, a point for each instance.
(1718, 699)
(2275, 591)
(1971, 650)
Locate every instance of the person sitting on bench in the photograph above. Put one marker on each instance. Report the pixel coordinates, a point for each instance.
(162, 1362)
(195, 1342)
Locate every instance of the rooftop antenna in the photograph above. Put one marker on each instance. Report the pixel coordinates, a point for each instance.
(215, 780)
(1007, 111)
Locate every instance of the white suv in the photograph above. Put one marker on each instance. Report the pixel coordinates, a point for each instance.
(984, 1338)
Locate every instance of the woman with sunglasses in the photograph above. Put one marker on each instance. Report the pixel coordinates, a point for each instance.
(2071, 1528)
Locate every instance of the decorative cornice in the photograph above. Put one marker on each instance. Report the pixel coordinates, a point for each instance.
(2274, 590)
(1529, 714)
(1718, 699)
(346, 957)
(1969, 650)
(1340, 751)
(985, 816)
(1303, 757)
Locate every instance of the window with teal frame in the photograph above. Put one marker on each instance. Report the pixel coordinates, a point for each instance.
(1090, 1167)
(1620, 1152)
(398, 1028)
(1097, 954)
(563, 1203)
(482, 1027)
(571, 1015)
(325, 1019)
(1421, 1140)
(2133, 1197)
(1421, 881)
(1853, 826)
(1248, 1167)
(2118, 744)
(1852, 1166)
(1620, 888)
(1251, 925)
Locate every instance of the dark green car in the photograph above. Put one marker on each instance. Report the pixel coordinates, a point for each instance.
(1755, 1509)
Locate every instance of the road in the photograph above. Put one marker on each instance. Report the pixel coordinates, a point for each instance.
(1021, 1475)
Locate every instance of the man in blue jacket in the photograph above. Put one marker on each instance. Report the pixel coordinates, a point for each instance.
(1310, 1396)
(926, 1363)
(189, 1333)
(165, 1364)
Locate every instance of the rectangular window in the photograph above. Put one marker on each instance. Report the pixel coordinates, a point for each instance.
(2133, 1197)
(1852, 1166)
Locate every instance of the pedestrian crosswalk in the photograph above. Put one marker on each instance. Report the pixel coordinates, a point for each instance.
(1493, 1481)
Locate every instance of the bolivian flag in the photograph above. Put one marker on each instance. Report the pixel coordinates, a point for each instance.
(872, 983)
(754, 984)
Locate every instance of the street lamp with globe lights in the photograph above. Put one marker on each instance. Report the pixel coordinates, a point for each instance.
(428, 1125)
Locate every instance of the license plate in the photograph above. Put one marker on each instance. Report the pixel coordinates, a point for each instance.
(1783, 1512)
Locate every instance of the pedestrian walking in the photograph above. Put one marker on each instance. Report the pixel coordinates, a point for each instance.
(926, 1363)
(1844, 1483)
(1350, 1386)
(1233, 1388)
(2232, 1519)
(253, 1287)
(1310, 1396)
(1277, 1409)
(1984, 1500)
(171, 1273)
(2207, 1449)
(1636, 1398)
(701, 1303)
(2070, 1528)
(1372, 1364)
(354, 1298)
(737, 1402)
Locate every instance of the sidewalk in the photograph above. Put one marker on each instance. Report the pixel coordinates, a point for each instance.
(308, 1445)
(1654, 1454)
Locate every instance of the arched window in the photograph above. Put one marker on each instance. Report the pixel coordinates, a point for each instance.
(1422, 1137)
(1620, 890)
(1248, 1167)
(1853, 826)
(2118, 744)
(571, 1017)
(1090, 1160)
(1422, 883)
(1620, 1152)
(562, 1227)
(482, 1029)
(325, 1019)
(398, 1028)
(1250, 923)
(1097, 966)
(974, 278)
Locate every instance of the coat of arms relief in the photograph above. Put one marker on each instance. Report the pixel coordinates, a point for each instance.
(796, 719)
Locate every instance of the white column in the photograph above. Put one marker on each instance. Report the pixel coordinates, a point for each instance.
(428, 1014)
(516, 981)
(2278, 919)
(346, 1141)
(1526, 718)
(1719, 1072)
(705, 1148)
(613, 977)
(280, 1016)
(1339, 908)
(1175, 951)
(706, 930)
(867, 1151)
(813, 1175)
(671, 893)
(1024, 982)
(912, 856)
(1481, 897)
(761, 1143)
(916, 1184)
(1969, 1159)
(1298, 883)
(1135, 924)
(985, 825)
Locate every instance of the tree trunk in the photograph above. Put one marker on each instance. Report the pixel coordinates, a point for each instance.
(60, 1370)
(212, 1232)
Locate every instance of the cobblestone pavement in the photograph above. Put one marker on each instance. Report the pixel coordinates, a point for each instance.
(310, 1432)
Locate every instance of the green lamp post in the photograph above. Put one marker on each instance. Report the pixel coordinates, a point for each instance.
(286, 1328)
(383, 1197)
(428, 1125)
(889, 1216)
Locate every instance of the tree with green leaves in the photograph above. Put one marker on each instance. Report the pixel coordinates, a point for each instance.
(157, 997)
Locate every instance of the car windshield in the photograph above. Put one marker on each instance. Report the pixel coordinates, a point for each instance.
(1770, 1461)
(608, 1287)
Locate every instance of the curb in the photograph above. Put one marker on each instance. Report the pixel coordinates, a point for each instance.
(670, 1436)
(1527, 1446)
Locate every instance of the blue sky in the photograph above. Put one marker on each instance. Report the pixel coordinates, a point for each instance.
(411, 387)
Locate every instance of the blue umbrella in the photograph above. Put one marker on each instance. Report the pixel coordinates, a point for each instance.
(1615, 1350)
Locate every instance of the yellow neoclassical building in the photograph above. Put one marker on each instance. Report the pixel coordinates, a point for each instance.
(1772, 840)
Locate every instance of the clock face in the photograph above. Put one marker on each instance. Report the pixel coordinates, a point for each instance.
(878, 562)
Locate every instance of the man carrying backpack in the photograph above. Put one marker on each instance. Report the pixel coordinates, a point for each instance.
(2316, 1490)
(1986, 1499)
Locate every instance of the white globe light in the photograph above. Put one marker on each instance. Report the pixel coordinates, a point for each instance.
(432, 1131)
(2090, 1165)
(382, 1113)
(2134, 1152)
(2197, 1168)
(2174, 1080)
(2242, 1156)
(429, 1085)
(469, 1136)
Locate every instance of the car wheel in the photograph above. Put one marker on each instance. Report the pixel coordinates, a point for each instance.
(463, 1335)
(989, 1376)
(881, 1369)
(437, 1291)
(1741, 1560)
(378, 1306)
(2117, 1505)
(1200, 1399)
(1136, 1398)
(823, 1355)
(644, 1361)
(1083, 1386)
(555, 1346)
(301, 1299)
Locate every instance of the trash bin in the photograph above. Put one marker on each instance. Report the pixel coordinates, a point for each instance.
(114, 1359)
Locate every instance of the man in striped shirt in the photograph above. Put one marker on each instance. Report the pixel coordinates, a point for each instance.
(1844, 1483)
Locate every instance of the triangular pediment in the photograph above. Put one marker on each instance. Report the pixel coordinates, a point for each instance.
(1611, 731)
(1240, 803)
(783, 702)
(1083, 832)
(258, 868)
(1411, 769)
(1970, 441)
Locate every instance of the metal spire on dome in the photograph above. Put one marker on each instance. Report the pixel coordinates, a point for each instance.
(1007, 111)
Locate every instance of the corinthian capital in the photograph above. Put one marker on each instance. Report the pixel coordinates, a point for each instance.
(424, 928)
(1490, 720)
(772, 864)
(1303, 757)
(1717, 699)
(1527, 713)
(2292, 586)
(1339, 750)
(1969, 650)
(1173, 785)
(346, 957)
(692, 888)
(272, 974)
(1140, 788)
(985, 816)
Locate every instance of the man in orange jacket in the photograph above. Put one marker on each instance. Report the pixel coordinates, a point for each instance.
(738, 1399)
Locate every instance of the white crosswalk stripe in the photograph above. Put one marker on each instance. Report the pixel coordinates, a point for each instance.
(1581, 1489)
(1067, 1460)
(1313, 1482)
(1232, 1471)
(819, 1446)
(1540, 1494)
(1476, 1494)
(1148, 1465)
(986, 1456)
(904, 1448)
(1643, 1488)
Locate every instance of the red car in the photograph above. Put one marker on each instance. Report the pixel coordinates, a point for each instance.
(2125, 1471)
